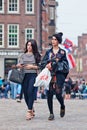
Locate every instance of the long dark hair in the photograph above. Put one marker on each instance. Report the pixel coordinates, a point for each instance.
(34, 49)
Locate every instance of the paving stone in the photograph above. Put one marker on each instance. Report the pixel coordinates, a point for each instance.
(13, 115)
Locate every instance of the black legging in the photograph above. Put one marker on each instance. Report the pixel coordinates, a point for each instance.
(58, 92)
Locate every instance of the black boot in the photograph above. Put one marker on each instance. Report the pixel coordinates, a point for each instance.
(51, 117)
(62, 112)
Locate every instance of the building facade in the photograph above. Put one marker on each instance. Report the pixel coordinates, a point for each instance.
(21, 20)
(80, 54)
(48, 21)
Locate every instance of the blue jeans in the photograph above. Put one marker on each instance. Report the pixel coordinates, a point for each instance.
(13, 90)
(29, 89)
(18, 89)
(7, 88)
(4, 91)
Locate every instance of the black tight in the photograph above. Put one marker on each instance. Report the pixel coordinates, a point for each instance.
(58, 92)
(50, 101)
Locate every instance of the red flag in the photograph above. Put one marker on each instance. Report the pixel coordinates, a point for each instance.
(68, 45)
(71, 61)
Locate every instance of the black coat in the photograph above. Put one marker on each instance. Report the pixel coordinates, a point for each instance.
(60, 68)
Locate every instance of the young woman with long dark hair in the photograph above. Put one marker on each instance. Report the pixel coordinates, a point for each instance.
(29, 62)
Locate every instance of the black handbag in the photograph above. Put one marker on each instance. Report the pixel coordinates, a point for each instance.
(17, 76)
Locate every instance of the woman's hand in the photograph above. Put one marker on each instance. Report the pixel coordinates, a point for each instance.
(49, 66)
(20, 66)
(30, 66)
(57, 59)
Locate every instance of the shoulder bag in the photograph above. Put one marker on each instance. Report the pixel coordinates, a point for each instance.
(17, 75)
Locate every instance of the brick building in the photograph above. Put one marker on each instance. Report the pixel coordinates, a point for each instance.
(19, 21)
(48, 21)
(80, 54)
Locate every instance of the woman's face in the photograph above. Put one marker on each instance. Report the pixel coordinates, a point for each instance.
(29, 47)
(54, 41)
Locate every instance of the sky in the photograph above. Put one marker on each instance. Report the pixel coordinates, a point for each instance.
(71, 18)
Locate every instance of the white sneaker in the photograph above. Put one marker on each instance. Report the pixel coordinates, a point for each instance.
(18, 100)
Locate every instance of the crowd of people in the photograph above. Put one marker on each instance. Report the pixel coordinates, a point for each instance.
(9, 89)
(72, 90)
(75, 89)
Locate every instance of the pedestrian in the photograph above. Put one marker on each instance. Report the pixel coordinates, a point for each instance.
(12, 84)
(19, 92)
(29, 62)
(20, 96)
(55, 60)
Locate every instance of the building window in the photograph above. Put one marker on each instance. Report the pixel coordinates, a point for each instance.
(13, 35)
(86, 46)
(13, 6)
(81, 65)
(52, 14)
(29, 33)
(1, 35)
(1, 6)
(29, 6)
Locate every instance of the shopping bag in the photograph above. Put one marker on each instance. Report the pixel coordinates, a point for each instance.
(17, 76)
(43, 78)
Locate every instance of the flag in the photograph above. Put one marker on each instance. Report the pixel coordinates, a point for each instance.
(68, 45)
(71, 61)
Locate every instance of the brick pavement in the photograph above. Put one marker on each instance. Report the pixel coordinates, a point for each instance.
(12, 116)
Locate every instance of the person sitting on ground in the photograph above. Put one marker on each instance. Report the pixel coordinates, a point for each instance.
(5, 88)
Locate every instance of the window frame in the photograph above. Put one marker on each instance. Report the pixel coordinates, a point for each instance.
(14, 12)
(52, 13)
(26, 38)
(29, 12)
(2, 11)
(2, 35)
(13, 46)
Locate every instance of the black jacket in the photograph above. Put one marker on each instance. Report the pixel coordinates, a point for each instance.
(60, 68)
